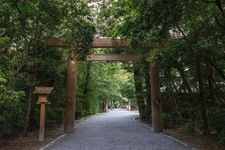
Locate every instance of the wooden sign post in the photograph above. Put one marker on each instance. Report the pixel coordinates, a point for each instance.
(43, 93)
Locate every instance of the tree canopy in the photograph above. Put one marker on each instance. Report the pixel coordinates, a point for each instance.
(188, 45)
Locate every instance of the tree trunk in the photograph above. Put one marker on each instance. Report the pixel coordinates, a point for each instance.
(184, 78)
(85, 92)
(29, 99)
(104, 105)
(139, 91)
(27, 116)
(148, 89)
(202, 93)
(34, 72)
(217, 69)
(211, 76)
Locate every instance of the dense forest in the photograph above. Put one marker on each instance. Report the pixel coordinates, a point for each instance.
(187, 39)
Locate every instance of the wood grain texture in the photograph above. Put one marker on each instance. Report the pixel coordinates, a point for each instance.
(113, 57)
(96, 43)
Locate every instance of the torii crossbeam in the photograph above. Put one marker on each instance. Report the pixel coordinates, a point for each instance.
(96, 43)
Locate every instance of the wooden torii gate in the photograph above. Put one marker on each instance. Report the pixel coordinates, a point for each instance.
(107, 43)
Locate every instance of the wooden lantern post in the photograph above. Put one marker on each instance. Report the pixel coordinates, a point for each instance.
(43, 93)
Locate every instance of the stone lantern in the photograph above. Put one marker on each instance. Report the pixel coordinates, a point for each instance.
(43, 94)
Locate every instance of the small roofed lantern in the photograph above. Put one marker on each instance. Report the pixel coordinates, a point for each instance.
(43, 94)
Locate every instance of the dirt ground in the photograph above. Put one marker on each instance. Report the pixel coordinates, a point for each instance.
(196, 140)
(30, 142)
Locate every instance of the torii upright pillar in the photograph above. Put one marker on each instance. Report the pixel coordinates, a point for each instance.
(71, 95)
(155, 99)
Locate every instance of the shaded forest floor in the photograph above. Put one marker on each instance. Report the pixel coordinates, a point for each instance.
(20, 142)
(29, 142)
(198, 141)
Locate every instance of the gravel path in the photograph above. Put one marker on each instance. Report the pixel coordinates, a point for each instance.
(115, 130)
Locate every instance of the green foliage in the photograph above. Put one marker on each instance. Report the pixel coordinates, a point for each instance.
(217, 118)
(216, 122)
(167, 120)
(190, 127)
(187, 38)
(102, 81)
(188, 42)
(25, 62)
(221, 137)
(76, 28)
(11, 107)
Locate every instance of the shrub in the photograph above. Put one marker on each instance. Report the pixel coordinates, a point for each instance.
(221, 137)
(167, 120)
(216, 122)
(11, 108)
(190, 127)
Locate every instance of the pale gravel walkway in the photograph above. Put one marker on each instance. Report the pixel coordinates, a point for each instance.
(115, 130)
